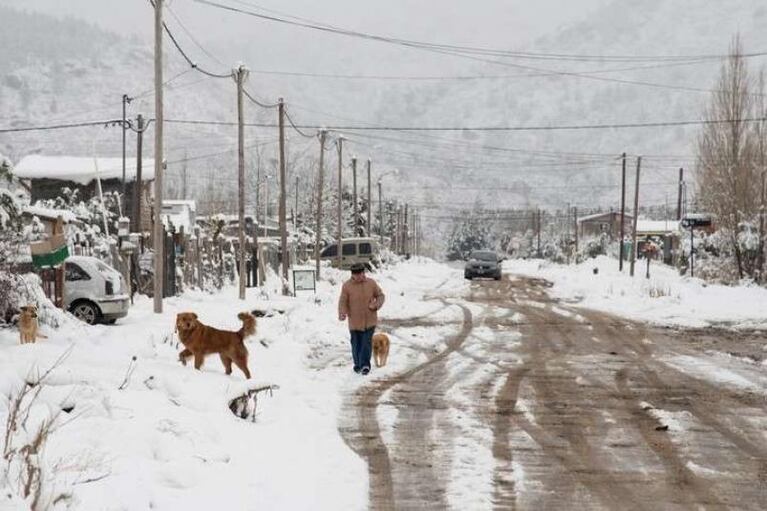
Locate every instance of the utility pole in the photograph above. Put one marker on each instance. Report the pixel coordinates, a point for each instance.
(138, 184)
(398, 235)
(636, 218)
(623, 211)
(340, 183)
(283, 205)
(184, 190)
(370, 203)
(240, 74)
(295, 213)
(405, 231)
(575, 225)
(125, 128)
(318, 233)
(159, 231)
(679, 196)
(380, 214)
(354, 197)
(538, 230)
(266, 204)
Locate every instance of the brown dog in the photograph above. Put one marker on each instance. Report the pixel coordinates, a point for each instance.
(200, 340)
(28, 327)
(380, 349)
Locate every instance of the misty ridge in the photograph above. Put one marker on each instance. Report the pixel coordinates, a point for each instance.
(76, 71)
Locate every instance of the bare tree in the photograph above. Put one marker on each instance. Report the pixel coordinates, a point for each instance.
(728, 178)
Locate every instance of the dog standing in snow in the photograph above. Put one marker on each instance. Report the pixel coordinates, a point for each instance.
(28, 326)
(200, 340)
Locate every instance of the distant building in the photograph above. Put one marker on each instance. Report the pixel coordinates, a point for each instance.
(605, 223)
(181, 214)
(45, 176)
(665, 233)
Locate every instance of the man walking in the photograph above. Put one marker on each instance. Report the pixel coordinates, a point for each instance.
(359, 302)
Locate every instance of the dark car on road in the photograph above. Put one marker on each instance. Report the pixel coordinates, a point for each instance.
(483, 263)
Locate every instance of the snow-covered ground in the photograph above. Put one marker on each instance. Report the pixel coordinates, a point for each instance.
(168, 440)
(666, 298)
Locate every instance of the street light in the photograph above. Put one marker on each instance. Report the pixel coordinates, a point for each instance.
(380, 203)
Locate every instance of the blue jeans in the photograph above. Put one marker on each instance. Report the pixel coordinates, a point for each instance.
(362, 347)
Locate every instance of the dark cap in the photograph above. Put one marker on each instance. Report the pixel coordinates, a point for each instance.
(358, 268)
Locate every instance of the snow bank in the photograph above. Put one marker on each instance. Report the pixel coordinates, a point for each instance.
(665, 298)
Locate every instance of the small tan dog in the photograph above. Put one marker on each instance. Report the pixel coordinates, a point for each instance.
(200, 340)
(28, 327)
(380, 349)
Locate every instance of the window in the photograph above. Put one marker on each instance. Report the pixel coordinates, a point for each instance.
(330, 251)
(349, 249)
(75, 273)
(365, 249)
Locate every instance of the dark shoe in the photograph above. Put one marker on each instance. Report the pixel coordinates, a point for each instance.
(356, 369)
(365, 370)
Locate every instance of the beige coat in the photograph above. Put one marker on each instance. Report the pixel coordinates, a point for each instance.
(360, 301)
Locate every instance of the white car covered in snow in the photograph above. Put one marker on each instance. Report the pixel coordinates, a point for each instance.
(94, 291)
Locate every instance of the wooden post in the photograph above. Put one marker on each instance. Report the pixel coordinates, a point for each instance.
(623, 211)
(355, 206)
(158, 156)
(138, 189)
(283, 204)
(636, 219)
(198, 257)
(575, 224)
(340, 199)
(538, 230)
(679, 195)
(318, 233)
(370, 202)
(240, 74)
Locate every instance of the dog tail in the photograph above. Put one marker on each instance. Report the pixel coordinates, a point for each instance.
(248, 324)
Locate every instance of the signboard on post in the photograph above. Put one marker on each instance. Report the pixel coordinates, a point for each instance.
(304, 280)
(691, 222)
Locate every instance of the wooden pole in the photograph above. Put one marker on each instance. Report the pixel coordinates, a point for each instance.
(679, 195)
(575, 225)
(340, 198)
(159, 238)
(318, 234)
(623, 211)
(240, 74)
(355, 207)
(636, 218)
(380, 214)
(283, 204)
(370, 202)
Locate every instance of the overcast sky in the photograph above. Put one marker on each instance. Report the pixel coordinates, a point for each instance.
(496, 23)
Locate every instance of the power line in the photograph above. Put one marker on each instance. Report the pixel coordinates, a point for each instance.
(311, 24)
(105, 124)
(565, 127)
(186, 57)
(473, 52)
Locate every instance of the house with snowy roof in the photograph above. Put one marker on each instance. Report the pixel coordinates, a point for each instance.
(46, 176)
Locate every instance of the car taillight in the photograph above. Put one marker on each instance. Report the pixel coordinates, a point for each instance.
(109, 287)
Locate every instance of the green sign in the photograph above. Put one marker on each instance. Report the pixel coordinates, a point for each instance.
(51, 259)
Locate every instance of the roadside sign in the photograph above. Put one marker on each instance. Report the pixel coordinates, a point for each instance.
(304, 280)
(690, 221)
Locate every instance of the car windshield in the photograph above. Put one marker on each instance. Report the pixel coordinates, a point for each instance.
(484, 256)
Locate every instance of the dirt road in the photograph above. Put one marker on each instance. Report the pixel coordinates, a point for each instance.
(532, 404)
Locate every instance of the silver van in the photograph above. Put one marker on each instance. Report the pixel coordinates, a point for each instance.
(353, 251)
(94, 291)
